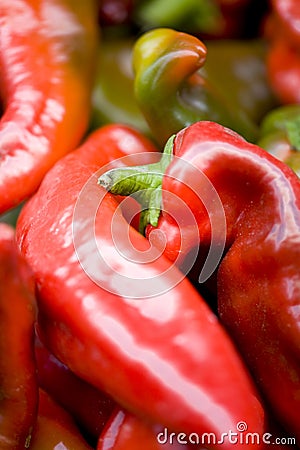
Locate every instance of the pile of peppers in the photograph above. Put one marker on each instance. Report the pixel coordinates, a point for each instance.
(149, 224)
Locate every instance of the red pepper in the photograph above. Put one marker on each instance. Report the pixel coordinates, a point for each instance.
(287, 13)
(147, 339)
(283, 59)
(258, 278)
(283, 67)
(47, 56)
(18, 382)
(124, 431)
(55, 428)
(90, 407)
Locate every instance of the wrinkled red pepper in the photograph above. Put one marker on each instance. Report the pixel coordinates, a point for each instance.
(90, 407)
(258, 278)
(18, 382)
(55, 428)
(165, 358)
(47, 56)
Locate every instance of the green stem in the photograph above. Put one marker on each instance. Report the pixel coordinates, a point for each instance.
(143, 183)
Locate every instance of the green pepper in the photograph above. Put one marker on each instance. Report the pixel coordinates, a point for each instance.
(243, 78)
(189, 16)
(171, 91)
(243, 81)
(280, 135)
(113, 96)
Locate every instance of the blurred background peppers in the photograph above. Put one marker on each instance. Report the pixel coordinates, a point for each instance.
(242, 82)
(287, 12)
(212, 19)
(113, 98)
(47, 55)
(283, 61)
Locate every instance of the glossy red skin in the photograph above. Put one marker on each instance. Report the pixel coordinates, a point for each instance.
(47, 57)
(124, 431)
(283, 68)
(18, 382)
(197, 383)
(288, 15)
(90, 407)
(258, 279)
(55, 428)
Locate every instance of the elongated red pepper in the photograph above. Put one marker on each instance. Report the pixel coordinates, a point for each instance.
(18, 382)
(258, 279)
(90, 407)
(133, 327)
(47, 51)
(55, 428)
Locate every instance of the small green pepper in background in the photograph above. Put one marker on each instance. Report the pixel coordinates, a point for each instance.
(189, 15)
(113, 98)
(280, 135)
(214, 19)
(234, 71)
(173, 93)
(238, 68)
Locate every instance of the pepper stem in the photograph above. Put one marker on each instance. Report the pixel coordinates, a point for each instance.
(143, 183)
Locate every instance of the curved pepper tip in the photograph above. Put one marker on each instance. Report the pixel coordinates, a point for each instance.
(172, 93)
(162, 41)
